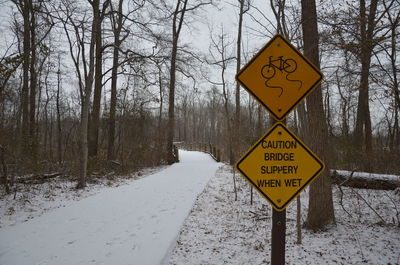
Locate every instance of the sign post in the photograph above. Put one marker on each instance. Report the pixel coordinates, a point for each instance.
(278, 237)
(279, 165)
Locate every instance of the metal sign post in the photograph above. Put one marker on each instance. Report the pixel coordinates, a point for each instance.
(279, 166)
(278, 237)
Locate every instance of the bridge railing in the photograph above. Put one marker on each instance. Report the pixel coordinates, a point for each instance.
(214, 152)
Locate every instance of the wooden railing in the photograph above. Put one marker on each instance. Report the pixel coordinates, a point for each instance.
(214, 152)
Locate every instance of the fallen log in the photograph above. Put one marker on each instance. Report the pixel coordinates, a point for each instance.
(365, 180)
(37, 179)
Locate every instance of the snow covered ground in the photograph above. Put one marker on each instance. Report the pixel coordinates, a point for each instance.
(30, 201)
(158, 220)
(134, 223)
(220, 230)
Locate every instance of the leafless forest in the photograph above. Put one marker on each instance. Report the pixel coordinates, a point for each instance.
(89, 87)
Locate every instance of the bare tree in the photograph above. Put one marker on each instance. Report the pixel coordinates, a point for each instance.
(32, 38)
(98, 16)
(363, 124)
(177, 22)
(219, 52)
(25, 7)
(358, 28)
(320, 209)
(117, 24)
(77, 39)
(244, 6)
(389, 66)
(58, 109)
(178, 18)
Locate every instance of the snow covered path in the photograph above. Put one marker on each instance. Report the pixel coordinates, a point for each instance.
(131, 224)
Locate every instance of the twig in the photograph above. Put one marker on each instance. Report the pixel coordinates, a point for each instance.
(260, 214)
(251, 195)
(358, 241)
(358, 194)
(234, 183)
(298, 221)
(341, 193)
(341, 201)
(395, 207)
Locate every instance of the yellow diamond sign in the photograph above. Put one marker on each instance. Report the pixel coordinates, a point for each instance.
(280, 166)
(279, 77)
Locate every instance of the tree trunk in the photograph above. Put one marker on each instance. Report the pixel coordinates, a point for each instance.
(360, 180)
(95, 119)
(303, 118)
(32, 93)
(176, 29)
(320, 209)
(85, 106)
(238, 64)
(171, 106)
(47, 131)
(84, 140)
(227, 114)
(259, 127)
(25, 77)
(114, 78)
(363, 131)
(345, 125)
(396, 94)
(59, 131)
(194, 125)
(160, 113)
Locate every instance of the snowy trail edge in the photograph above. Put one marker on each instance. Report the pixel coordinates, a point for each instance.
(130, 224)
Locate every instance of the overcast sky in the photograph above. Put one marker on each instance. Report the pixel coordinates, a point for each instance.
(197, 35)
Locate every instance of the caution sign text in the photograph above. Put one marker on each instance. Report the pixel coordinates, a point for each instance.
(280, 166)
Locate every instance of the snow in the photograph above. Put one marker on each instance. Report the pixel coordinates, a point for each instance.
(34, 200)
(220, 230)
(134, 223)
(369, 175)
(187, 214)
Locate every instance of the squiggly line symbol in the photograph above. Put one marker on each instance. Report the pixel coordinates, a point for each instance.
(288, 66)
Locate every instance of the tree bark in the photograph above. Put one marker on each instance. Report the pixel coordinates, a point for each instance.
(396, 131)
(171, 106)
(95, 117)
(238, 64)
(363, 131)
(26, 5)
(320, 209)
(114, 77)
(85, 106)
(259, 130)
(160, 111)
(362, 181)
(176, 29)
(32, 93)
(59, 131)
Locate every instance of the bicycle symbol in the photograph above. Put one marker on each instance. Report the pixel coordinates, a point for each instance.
(287, 66)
